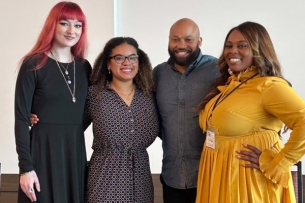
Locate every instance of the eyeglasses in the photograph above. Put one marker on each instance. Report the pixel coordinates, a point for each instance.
(120, 59)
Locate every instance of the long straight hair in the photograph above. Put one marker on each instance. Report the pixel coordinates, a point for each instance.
(61, 11)
(264, 56)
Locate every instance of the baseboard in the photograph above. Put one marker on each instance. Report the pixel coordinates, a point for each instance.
(9, 188)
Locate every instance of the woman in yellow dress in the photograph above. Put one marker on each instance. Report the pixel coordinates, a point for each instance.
(243, 159)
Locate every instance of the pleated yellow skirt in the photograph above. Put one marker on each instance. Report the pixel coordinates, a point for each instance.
(223, 179)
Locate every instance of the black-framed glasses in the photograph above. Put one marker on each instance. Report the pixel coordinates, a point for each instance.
(120, 59)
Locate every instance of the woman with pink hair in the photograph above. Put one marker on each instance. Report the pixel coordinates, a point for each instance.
(52, 81)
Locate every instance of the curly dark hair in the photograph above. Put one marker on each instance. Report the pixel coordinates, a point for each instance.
(100, 75)
(264, 56)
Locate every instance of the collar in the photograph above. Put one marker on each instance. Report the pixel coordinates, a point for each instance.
(244, 75)
(240, 77)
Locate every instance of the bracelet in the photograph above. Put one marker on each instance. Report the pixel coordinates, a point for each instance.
(22, 174)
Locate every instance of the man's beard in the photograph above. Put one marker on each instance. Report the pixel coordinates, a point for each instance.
(187, 61)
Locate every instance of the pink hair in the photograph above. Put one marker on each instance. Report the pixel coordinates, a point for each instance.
(61, 11)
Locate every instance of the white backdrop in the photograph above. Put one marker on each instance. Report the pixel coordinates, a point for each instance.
(148, 22)
(20, 22)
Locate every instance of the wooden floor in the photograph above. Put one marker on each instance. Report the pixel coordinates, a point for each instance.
(158, 188)
(9, 188)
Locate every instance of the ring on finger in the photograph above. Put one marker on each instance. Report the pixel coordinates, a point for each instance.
(31, 190)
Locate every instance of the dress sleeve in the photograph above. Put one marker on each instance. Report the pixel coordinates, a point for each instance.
(24, 91)
(153, 117)
(203, 120)
(280, 100)
(87, 115)
(89, 69)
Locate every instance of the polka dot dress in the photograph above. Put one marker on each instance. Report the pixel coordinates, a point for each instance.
(119, 167)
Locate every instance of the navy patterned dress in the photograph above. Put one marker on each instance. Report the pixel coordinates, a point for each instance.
(119, 168)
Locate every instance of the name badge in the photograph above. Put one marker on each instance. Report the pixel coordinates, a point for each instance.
(210, 139)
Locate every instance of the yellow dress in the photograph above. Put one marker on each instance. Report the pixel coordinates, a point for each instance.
(252, 114)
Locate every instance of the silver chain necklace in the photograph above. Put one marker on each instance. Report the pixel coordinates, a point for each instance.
(66, 69)
(72, 94)
(66, 72)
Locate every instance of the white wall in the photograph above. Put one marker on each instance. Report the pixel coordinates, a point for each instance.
(21, 22)
(149, 23)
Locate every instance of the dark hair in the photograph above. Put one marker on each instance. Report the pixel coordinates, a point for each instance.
(100, 75)
(264, 56)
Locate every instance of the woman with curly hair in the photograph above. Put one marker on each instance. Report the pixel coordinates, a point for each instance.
(243, 159)
(122, 108)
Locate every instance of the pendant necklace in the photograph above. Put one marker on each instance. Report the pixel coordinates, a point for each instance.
(127, 96)
(67, 81)
(66, 71)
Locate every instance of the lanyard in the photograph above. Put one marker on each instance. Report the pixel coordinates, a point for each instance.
(218, 102)
(211, 139)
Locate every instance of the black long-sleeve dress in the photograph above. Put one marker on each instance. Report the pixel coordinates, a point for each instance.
(55, 147)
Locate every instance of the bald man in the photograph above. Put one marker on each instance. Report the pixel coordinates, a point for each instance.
(181, 84)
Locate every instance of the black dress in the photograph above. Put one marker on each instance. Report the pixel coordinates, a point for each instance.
(55, 147)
